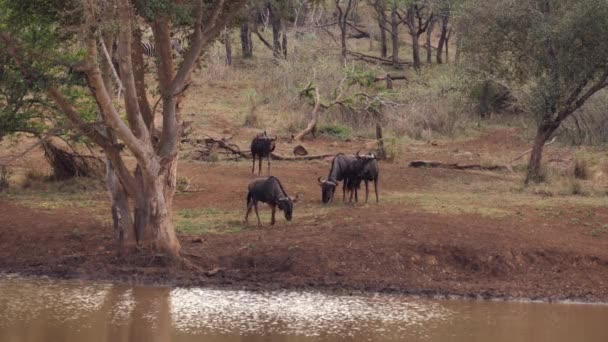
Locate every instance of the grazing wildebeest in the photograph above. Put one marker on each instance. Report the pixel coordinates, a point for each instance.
(269, 190)
(352, 170)
(262, 146)
(343, 167)
(368, 170)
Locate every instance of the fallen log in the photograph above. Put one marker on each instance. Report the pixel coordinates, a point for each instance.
(234, 149)
(374, 59)
(456, 166)
(317, 156)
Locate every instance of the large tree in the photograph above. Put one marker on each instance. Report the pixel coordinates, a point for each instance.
(551, 54)
(80, 26)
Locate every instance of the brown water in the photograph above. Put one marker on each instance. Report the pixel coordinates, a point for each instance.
(49, 310)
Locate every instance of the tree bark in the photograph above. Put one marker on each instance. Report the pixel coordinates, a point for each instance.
(380, 7)
(429, 47)
(228, 46)
(535, 173)
(284, 42)
(395, 35)
(246, 43)
(275, 22)
(342, 23)
(442, 38)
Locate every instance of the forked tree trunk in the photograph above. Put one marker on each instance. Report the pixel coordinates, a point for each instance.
(543, 133)
(246, 43)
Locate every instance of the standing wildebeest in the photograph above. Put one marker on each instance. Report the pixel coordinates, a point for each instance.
(262, 146)
(351, 169)
(269, 190)
(343, 167)
(368, 170)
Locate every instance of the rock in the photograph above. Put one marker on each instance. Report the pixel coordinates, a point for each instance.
(300, 150)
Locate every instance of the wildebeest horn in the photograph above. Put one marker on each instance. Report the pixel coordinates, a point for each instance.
(320, 181)
(358, 156)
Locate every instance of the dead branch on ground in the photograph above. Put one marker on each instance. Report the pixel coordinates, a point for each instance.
(456, 166)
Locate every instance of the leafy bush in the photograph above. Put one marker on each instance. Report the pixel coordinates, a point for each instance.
(336, 131)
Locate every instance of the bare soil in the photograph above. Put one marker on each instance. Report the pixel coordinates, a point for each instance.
(438, 242)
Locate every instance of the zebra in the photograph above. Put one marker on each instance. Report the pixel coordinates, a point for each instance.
(149, 50)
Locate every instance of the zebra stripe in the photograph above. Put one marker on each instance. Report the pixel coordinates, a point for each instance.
(149, 51)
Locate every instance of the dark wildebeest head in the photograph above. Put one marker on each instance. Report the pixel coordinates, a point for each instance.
(328, 188)
(286, 204)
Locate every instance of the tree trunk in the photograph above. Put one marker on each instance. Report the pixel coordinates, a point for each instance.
(484, 101)
(380, 9)
(415, 51)
(275, 21)
(246, 43)
(383, 42)
(228, 46)
(429, 47)
(154, 210)
(284, 43)
(380, 139)
(442, 39)
(395, 36)
(343, 50)
(535, 173)
(411, 25)
(121, 214)
(458, 48)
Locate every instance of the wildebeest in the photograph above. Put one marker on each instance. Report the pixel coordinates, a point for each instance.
(262, 146)
(352, 170)
(269, 190)
(342, 168)
(368, 171)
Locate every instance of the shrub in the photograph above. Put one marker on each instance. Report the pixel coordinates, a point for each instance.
(336, 131)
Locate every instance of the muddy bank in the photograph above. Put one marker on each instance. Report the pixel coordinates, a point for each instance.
(417, 254)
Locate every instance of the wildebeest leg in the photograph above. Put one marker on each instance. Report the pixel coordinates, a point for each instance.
(274, 209)
(356, 190)
(255, 206)
(269, 157)
(344, 190)
(253, 165)
(366, 190)
(260, 166)
(376, 188)
(249, 206)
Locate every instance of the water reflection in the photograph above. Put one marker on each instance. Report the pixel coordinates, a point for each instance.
(47, 310)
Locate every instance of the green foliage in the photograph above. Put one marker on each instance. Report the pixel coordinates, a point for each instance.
(50, 59)
(180, 13)
(336, 131)
(541, 50)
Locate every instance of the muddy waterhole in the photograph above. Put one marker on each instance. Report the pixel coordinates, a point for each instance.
(51, 310)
